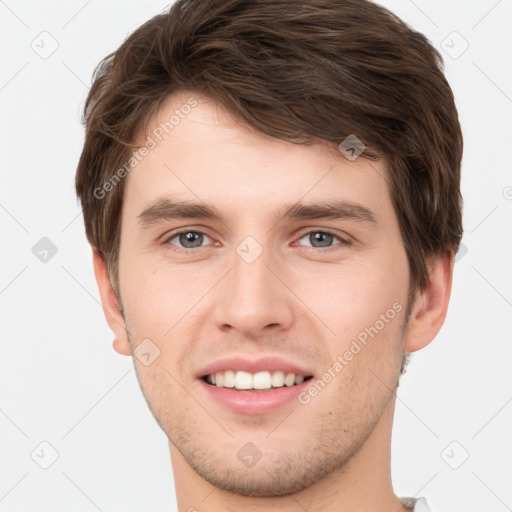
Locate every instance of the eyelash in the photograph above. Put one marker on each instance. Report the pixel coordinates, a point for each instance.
(317, 249)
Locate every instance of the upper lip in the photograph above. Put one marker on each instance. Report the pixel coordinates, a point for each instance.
(253, 365)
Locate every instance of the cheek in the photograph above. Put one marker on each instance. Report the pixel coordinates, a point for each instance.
(346, 296)
(156, 296)
(349, 297)
(366, 312)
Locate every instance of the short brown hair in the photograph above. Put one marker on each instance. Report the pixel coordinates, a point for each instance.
(298, 70)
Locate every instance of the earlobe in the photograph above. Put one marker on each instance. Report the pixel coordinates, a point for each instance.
(431, 304)
(111, 308)
(122, 347)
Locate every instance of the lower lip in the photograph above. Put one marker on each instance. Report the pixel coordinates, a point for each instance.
(254, 402)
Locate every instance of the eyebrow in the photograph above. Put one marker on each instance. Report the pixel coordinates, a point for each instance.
(167, 209)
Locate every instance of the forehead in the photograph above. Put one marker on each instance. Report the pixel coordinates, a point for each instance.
(198, 151)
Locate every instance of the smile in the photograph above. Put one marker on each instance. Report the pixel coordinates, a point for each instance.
(264, 380)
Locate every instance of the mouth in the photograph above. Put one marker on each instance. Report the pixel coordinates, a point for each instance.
(249, 385)
(259, 382)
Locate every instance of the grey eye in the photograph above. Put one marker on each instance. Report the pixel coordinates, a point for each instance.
(189, 239)
(320, 238)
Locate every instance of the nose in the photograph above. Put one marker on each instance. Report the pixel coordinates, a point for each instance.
(253, 298)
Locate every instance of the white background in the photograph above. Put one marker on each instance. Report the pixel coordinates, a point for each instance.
(61, 381)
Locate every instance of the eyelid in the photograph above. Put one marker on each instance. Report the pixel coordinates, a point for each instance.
(344, 240)
(173, 234)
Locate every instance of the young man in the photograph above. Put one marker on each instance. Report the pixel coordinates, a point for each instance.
(271, 191)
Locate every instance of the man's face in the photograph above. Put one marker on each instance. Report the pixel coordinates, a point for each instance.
(298, 292)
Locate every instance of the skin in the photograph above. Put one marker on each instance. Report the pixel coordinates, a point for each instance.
(332, 454)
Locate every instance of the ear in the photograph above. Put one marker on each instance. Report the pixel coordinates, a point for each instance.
(430, 305)
(111, 309)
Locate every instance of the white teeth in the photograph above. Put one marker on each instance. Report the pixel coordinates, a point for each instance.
(260, 380)
(229, 379)
(243, 380)
(289, 380)
(278, 379)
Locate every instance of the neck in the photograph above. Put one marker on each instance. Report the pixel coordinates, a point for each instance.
(361, 485)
